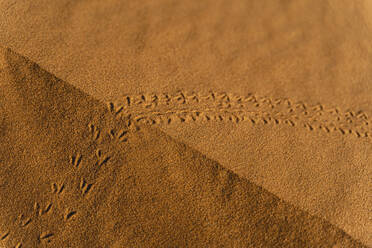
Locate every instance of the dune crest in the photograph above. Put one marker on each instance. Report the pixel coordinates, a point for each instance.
(73, 175)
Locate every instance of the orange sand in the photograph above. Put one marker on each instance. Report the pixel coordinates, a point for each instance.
(73, 175)
(291, 84)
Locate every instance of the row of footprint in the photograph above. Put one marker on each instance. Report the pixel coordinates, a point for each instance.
(171, 117)
(222, 101)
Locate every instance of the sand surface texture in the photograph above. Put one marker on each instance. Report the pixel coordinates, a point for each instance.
(73, 174)
(279, 92)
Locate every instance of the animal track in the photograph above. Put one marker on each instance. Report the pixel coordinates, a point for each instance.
(85, 187)
(185, 107)
(47, 208)
(75, 160)
(26, 222)
(115, 110)
(19, 245)
(4, 236)
(69, 215)
(45, 237)
(37, 208)
(99, 153)
(102, 159)
(120, 136)
(56, 189)
(94, 131)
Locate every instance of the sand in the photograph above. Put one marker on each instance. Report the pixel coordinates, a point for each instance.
(277, 92)
(73, 174)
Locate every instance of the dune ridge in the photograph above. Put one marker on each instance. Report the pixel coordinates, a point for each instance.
(74, 175)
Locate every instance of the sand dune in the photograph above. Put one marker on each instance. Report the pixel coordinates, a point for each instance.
(313, 52)
(75, 175)
(291, 80)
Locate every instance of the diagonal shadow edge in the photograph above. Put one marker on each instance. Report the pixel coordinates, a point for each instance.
(8, 62)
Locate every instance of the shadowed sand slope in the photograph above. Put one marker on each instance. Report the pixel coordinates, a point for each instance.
(71, 175)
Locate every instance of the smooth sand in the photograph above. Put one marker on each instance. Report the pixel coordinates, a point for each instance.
(75, 175)
(316, 53)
